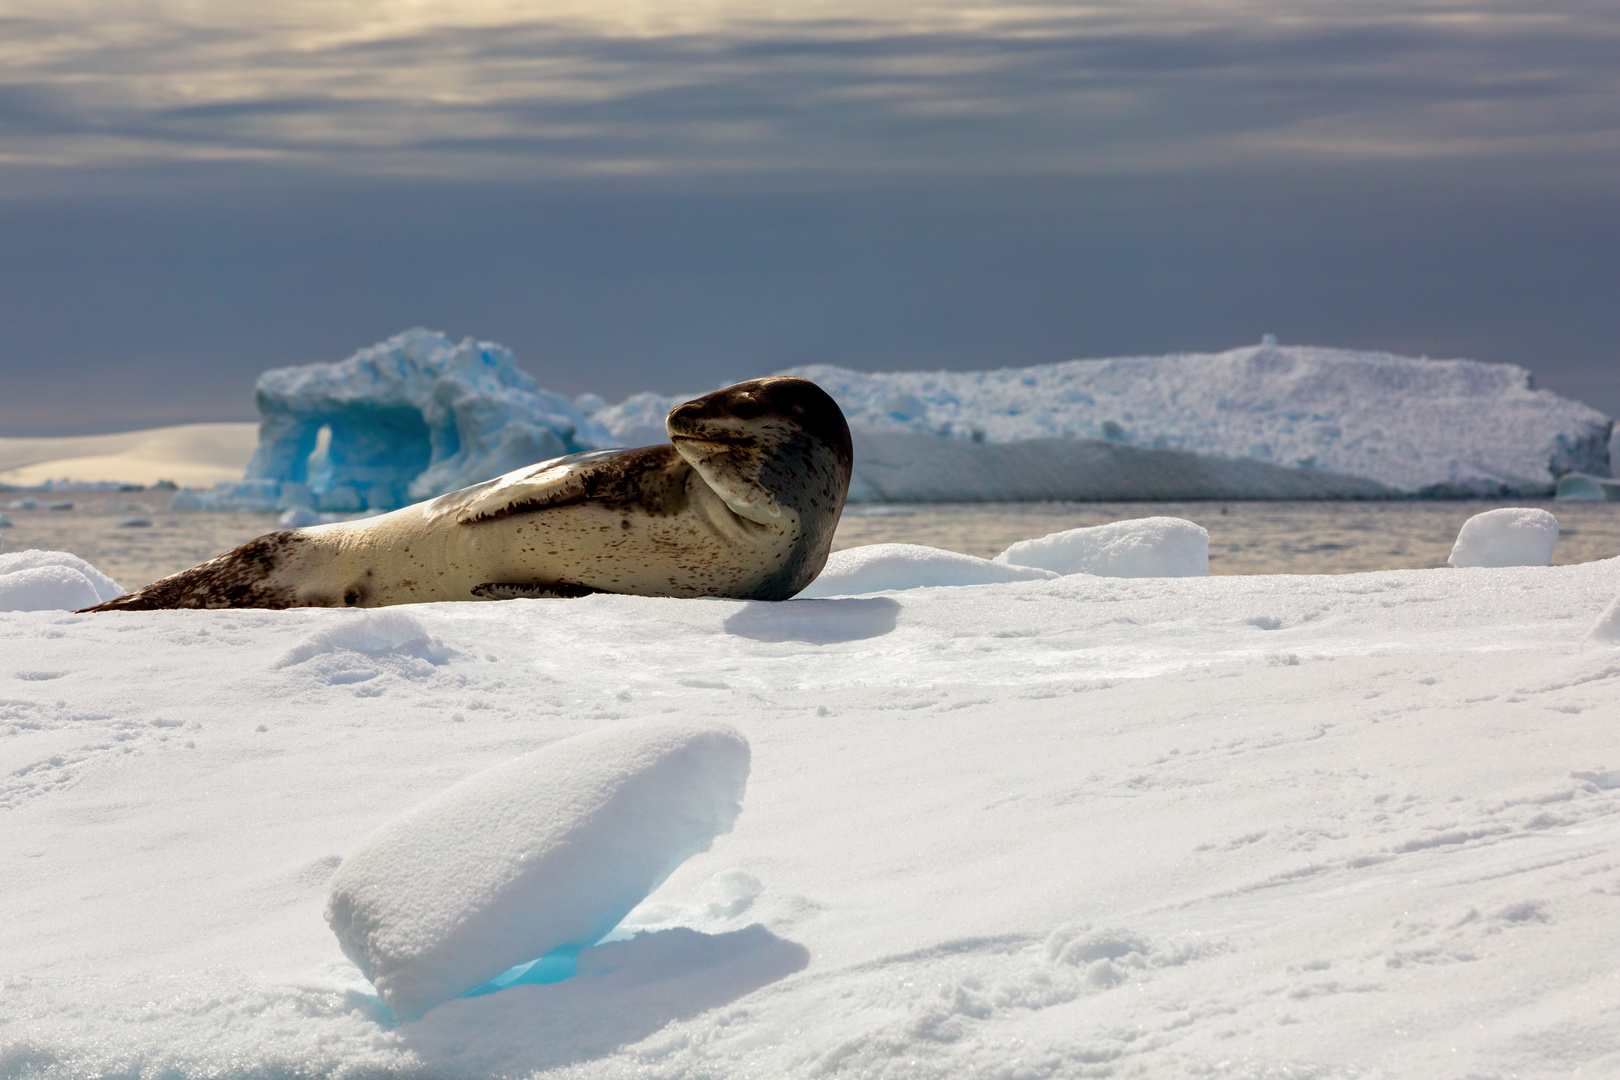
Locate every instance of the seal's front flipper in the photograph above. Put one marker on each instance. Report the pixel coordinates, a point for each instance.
(561, 590)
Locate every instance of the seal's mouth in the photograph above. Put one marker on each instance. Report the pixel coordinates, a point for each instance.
(712, 444)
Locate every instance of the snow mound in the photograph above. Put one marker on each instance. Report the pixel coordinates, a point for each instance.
(1144, 547)
(1431, 427)
(1607, 628)
(547, 852)
(52, 581)
(373, 634)
(1510, 536)
(403, 420)
(885, 567)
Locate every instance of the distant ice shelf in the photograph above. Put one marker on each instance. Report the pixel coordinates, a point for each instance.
(418, 415)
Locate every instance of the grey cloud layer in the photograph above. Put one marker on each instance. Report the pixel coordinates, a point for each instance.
(1042, 89)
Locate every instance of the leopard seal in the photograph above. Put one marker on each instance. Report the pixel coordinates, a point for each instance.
(741, 502)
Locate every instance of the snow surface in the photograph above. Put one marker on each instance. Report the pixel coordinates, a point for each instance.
(549, 851)
(1506, 536)
(1142, 547)
(52, 581)
(1297, 826)
(886, 567)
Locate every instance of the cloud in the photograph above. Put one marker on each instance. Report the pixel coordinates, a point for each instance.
(481, 91)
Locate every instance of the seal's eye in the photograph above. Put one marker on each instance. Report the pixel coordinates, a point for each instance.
(746, 406)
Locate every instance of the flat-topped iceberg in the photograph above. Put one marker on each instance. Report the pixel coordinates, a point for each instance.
(1413, 427)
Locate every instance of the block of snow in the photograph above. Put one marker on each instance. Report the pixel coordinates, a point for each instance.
(1144, 547)
(547, 852)
(52, 581)
(884, 567)
(1510, 536)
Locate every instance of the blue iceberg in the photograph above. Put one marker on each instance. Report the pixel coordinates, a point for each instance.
(401, 421)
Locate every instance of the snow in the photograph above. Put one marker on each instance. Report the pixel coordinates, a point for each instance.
(547, 852)
(51, 581)
(1309, 826)
(1507, 536)
(887, 567)
(1142, 547)
(1607, 628)
(190, 454)
(403, 420)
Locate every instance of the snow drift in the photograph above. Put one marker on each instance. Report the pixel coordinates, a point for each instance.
(546, 852)
(52, 581)
(1142, 547)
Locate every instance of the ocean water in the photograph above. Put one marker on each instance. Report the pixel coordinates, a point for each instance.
(1244, 537)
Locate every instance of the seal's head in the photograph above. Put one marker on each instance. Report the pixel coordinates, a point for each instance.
(769, 443)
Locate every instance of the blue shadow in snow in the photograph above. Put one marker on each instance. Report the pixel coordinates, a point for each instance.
(815, 622)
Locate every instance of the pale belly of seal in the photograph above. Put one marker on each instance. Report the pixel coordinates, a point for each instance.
(405, 557)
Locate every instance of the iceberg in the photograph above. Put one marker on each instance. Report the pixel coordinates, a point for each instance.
(1262, 422)
(403, 420)
(418, 415)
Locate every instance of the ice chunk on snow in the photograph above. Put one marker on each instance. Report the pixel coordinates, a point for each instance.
(546, 852)
(1144, 547)
(52, 581)
(882, 567)
(1510, 536)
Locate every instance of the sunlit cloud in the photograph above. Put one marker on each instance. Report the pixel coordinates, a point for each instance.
(484, 90)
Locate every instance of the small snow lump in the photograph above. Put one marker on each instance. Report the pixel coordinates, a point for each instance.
(36, 580)
(885, 567)
(1145, 547)
(1510, 536)
(548, 851)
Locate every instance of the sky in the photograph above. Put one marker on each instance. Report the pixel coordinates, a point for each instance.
(669, 196)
